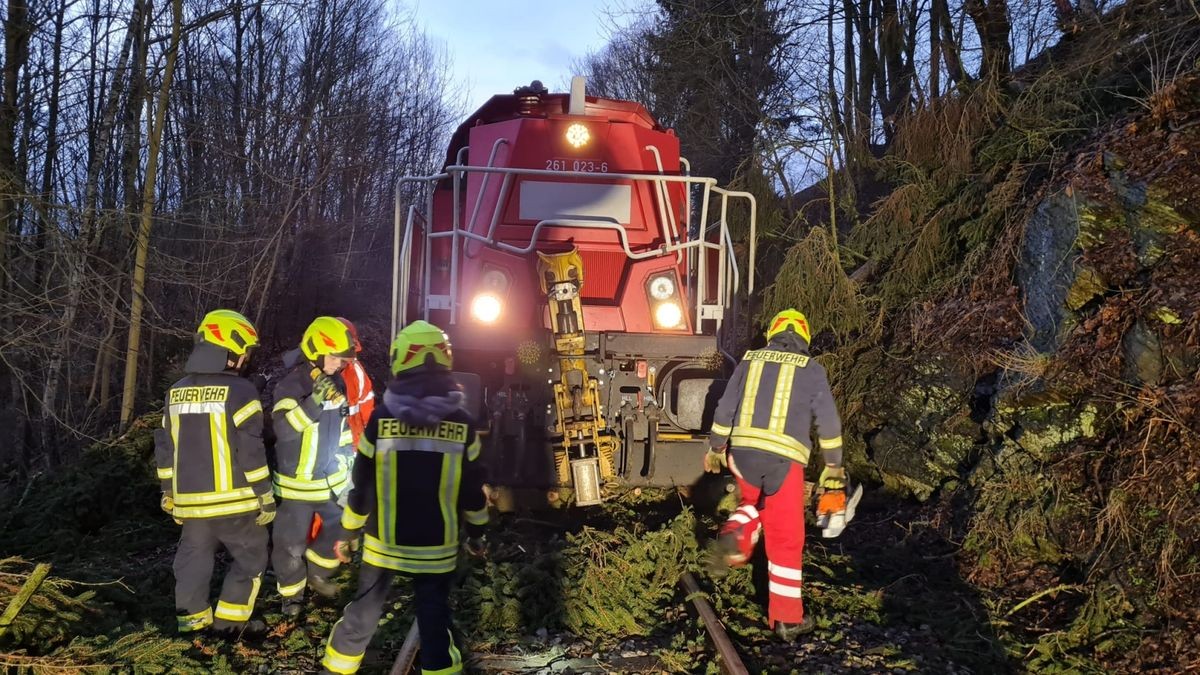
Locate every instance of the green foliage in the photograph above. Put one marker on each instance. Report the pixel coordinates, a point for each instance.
(111, 486)
(53, 614)
(1099, 629)
(633, 571)
(606, 584)
(812, 281)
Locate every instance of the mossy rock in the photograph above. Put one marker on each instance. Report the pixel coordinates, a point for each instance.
(1042, 422)
(1059, 226)
(925, 434)
(1144, 360)
(1096, 222)
(1087, 286)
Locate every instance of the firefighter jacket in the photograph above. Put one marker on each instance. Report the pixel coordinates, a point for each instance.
(416, 469)
(313, 446)
(772, 402)
(360, 396)
(209, 451)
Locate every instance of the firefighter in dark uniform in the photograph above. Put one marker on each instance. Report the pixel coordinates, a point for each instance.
(415, 471)
(761, 430)
(313, 451)
(214, 477)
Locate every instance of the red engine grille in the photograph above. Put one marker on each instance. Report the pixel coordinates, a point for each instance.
(602, 271)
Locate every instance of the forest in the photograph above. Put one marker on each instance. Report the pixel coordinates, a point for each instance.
(986, 208)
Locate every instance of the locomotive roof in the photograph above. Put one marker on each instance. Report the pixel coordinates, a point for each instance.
(504, 107)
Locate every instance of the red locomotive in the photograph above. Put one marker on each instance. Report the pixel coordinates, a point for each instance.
(584, 278)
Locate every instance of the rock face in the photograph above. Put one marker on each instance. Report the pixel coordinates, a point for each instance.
(927, 432)
(1065, 452)
(1083, 249)
(1047, 271)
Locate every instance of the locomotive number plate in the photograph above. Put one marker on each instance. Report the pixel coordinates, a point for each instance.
(588, 165)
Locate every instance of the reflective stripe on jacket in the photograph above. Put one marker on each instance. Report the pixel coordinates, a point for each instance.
(313, 446)
(410, 485)
(210, 453)
(772, 402)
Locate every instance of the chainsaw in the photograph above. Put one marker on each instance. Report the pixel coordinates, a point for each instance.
(835, 510)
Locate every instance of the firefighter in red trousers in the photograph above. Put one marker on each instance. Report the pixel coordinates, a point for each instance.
(360, 395)
(417, 468)
(214, 475)
(761, 430)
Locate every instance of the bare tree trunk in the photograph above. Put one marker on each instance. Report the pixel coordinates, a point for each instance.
(46, 222)
(137, 298)
(77, 260)
(950, 43)
(16, 53)
(935, 52)
(850, 83)
(991, 22)
(867, 75)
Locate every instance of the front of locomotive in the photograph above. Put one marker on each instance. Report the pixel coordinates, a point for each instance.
(562, 259)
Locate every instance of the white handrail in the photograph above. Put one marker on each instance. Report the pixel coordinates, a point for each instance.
(406, 258)
(665, 211)
(753, 231)
(483, 187)
(397, 272)
(581, 223)
(727, 263)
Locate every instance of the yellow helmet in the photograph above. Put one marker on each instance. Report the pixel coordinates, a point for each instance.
(416, 343)
(326, 336)
(229, 329)
(789, 319)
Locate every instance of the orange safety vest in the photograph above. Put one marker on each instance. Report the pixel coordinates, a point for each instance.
(360, 396)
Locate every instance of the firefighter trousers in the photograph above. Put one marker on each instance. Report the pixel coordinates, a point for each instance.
(352, 633)
(293, 557)
(779, 516)
(199, 543)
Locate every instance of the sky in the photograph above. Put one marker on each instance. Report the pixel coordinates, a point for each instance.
(498, 45)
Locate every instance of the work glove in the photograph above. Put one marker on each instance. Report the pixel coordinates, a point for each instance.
(325, 389)
(344, 549)
(167, 504)
(266, 509)
(476, 547)
(259, 382)
(832, 478)
(715, 460)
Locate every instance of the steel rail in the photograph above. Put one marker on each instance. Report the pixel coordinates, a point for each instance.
(407, 655)
(731, 663)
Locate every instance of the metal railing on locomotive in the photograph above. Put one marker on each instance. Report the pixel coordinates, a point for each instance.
(697, 266)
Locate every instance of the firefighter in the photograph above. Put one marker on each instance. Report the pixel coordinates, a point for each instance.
(360, 395)
(215, 480)
(761, 430)
(415, 470)
(313, 451)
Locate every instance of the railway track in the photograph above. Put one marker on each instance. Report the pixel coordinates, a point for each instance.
(730, 660)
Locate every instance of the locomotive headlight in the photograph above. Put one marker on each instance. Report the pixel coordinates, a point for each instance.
(486, 307)
(666, 307)
(662, 288)
(668, 315)
(488, 303)
(578, 135)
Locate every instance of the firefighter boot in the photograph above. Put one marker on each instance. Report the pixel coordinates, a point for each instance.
(722, 555)
(739, 535)
(293, 605)
(322, 586)
(248, 630)
(788, 632)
